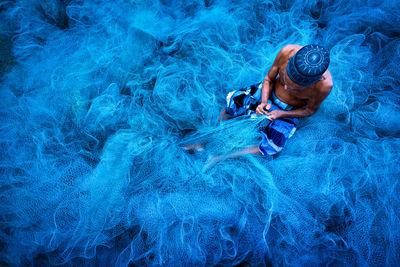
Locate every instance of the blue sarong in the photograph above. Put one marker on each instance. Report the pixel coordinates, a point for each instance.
(276, 133)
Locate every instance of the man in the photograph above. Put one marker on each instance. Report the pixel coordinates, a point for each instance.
(295, 86)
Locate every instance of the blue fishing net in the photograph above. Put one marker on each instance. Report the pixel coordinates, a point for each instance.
(98, 99)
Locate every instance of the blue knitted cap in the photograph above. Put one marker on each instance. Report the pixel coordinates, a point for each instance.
(308, 64)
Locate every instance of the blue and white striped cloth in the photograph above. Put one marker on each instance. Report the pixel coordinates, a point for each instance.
(276, 133)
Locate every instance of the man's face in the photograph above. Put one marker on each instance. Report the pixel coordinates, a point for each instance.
(289, 85)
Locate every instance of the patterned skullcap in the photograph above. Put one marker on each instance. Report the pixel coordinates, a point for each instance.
(308, 64)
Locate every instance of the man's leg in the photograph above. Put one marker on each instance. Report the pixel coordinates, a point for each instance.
(213, 159)
(200, 147)
(197, 147)
(224, 118)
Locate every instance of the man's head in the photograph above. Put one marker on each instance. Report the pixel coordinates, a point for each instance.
(306, 66)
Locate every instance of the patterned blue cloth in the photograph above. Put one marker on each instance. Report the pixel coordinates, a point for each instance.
(275, 133)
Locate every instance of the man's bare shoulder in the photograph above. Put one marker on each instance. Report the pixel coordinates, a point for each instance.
(325, 85)
(288, 51)
(289, 48)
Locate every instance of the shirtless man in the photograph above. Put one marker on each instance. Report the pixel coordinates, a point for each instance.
(288, 91)
(303, 83)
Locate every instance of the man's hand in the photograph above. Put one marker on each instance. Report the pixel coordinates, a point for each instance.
(263, 108)
(275, 114)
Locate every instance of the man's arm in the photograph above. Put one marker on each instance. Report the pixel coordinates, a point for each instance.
(267, 83)
(270, 78)
(298, 113)
(313, 105)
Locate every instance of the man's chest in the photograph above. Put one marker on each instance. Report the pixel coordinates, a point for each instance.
(295, 98)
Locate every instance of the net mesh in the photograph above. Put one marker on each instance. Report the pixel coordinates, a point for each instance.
(98, 100)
